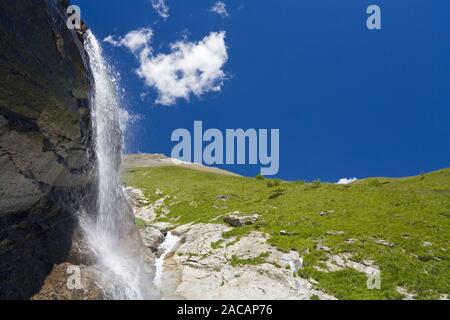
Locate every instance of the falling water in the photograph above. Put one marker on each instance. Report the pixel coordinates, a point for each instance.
(110, 232)
(166, 247)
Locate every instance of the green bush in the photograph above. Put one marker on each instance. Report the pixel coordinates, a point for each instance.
(375, 183)
(273, 183)
(277, 193)
(315, 184)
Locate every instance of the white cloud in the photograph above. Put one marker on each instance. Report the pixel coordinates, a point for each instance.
(135, 40)
(220, 8)
(347, 181)
(161, 7)
(190, 68)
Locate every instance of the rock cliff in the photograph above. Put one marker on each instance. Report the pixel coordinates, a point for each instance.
(45, 143)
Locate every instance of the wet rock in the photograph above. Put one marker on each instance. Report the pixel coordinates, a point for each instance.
(152, 238)
(238, 219)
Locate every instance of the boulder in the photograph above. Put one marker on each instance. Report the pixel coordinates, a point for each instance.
(223, 197)
(326, 213)
(384, 243)
(164, 227)
(238, 219)
(152, 237)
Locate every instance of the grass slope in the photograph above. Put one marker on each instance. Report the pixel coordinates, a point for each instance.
(406, 212)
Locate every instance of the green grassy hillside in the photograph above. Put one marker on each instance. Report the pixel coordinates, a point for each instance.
(411, 213)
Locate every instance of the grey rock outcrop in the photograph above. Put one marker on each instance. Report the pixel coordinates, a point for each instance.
(238, 219)
(152, 238)
(45, 143)
(55, 286)
(196, 261)
(204, 266)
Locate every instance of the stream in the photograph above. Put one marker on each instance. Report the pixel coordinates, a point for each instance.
(165, 248)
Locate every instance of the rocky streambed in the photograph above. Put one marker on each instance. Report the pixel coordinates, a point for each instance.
(195, 261)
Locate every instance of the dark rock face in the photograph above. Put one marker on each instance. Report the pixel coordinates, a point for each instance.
(45, 143)
(55, 286)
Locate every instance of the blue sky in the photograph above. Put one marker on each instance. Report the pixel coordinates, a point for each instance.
(349, 102)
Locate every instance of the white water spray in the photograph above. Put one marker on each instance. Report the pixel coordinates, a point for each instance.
(166, 247)
(110, 233)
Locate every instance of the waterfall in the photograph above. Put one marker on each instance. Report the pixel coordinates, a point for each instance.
(110, 232)
(165, 248)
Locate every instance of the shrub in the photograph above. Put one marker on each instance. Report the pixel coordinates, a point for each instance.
(315, 184)
(375, 183)
(273, 183)
(277, 193)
